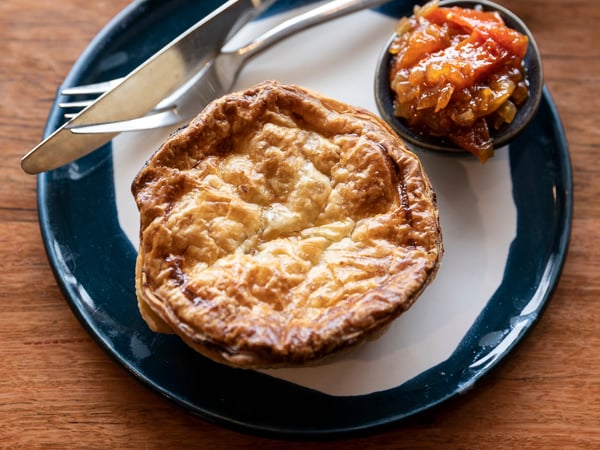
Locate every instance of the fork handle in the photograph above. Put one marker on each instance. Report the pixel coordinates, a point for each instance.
(328, 11)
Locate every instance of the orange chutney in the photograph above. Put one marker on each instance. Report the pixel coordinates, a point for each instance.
(457, 72)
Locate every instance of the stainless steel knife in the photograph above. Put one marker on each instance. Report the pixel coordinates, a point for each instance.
(146, 86)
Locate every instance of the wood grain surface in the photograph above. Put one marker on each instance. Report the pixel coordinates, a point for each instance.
(58, 389)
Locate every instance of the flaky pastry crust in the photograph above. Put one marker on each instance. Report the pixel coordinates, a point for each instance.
(281, 226)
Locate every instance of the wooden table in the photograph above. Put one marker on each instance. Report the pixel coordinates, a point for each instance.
(58, 389)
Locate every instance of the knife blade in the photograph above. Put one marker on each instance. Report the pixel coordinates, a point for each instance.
(145, 86)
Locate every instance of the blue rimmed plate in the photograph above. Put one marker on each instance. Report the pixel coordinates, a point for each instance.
(506, 228)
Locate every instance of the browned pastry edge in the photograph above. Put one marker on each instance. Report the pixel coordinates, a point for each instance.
(252, 342)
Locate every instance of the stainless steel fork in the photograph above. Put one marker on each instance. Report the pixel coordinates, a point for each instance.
(217, 77)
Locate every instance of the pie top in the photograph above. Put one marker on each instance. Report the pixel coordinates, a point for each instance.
(281, 226)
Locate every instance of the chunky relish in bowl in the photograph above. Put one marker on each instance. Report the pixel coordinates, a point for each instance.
(458, 73)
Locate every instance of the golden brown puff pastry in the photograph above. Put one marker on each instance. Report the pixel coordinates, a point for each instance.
(281, 226)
